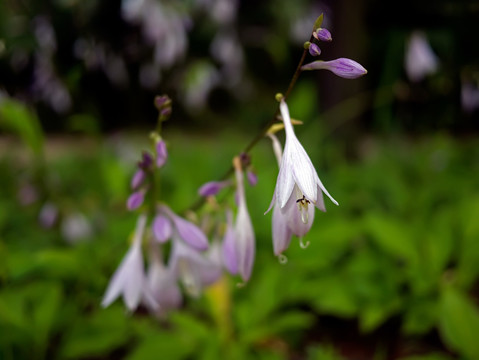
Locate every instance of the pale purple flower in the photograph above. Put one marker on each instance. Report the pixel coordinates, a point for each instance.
(212, 187)
(230, 257)
(162, 228)
(243, 230)
(193, 268)
(186, 230)
(420, 59)
(322, 34)
(161, 153)
(297, 187)
(137, 179)
(129, 279)
(135, 200)
(314, 50)
(342, 67)
(162, 284)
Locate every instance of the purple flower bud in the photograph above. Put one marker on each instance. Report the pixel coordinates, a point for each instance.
(191, 233)
(162, 229)
(343, 67)
(252, 178)
(322, 34)
(165, 112)
(135, 200)
(161, 153)
(212, 188)
(161, 101)
(146, 160)
(314, 50)
(137, 179)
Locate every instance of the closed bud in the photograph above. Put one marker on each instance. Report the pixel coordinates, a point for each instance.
(323, 34)
(314, 50)
(343, 67)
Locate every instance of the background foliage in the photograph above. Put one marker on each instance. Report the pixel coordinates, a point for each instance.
(392, 273)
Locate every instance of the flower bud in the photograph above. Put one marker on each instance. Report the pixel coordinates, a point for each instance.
(212, 188)
(135, 200)
(323, 34)
(343, 67)
(137, 179)
(161, 153)
(314, 50)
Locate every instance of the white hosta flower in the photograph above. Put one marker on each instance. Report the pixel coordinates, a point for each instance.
(298, 189)
(420, 59)
(129, 278)
(243, 230)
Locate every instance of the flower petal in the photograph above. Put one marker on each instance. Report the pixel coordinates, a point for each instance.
(280, 232)
(162, 229)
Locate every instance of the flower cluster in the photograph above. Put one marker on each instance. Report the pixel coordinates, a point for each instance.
(180, 256)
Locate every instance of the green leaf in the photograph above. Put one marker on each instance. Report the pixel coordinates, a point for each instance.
(318, 22)
(97, 334)
(459, 322)
(16, 117)
(392, 236)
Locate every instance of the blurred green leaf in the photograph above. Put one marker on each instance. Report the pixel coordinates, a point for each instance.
(459, 322)
(392, 236)
(96, 334)
(16, 117)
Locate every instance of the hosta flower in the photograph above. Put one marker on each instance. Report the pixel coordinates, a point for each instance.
(193, 268)
(298, 189)
(243, 229)
(129, 279)
(162, 284)
(230, 258)
(420, 59)
(342, 67)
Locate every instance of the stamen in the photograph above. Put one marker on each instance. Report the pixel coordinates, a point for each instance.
(240, 285)
(282, 259)
(303, 244)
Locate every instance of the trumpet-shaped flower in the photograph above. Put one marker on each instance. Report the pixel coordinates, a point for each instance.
(129, 278)
(298, 189)
(193, 268)
(243, 229)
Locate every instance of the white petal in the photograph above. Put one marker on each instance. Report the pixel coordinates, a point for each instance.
(134, 280)
(285, 180)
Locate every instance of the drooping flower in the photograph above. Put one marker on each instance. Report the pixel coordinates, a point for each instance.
(243, 229)
(230, 257)
(129, 279)
(298, 189)
(342, 67)
(162, 284)
(193, 268)
(420, 59)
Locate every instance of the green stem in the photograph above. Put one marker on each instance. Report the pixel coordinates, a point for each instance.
(200, 201)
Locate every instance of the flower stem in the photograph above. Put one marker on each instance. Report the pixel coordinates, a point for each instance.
(200, 201)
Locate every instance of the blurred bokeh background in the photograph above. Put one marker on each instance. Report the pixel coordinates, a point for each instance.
(392, 273)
